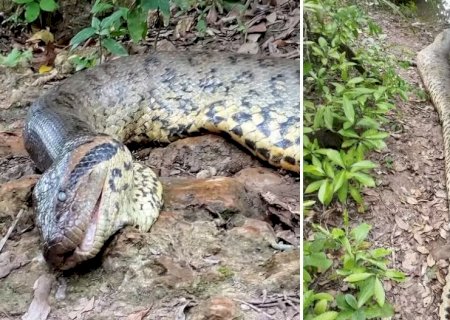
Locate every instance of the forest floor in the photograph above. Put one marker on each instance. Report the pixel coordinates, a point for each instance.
(408, 209)
(214, 252)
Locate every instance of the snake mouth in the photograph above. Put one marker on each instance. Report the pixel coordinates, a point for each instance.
(77, 244)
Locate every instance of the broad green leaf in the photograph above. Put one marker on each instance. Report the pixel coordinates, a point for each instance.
(306, 277)
(342, 193)
(318, 260)
(356, 195)
(367, 290)
(380, 252)
(22, 1)
(48, 5)
(369, 123)
(95, 23)
(329, 315)
(137, 24)
(329, 169)
(32, 11)
(349, 111)
(322, 42)
(321, 306)
(395, 275)
(114, 47)
(358, 277)
(314, 170)
(325, 193)
(375, 134)
(351, 300)
(364, 179)
(339, 180)
(348, 133)
(115, 17)
(328, 118)
(379, 292)
(314, 186)
(335, 157)
(362, 165)
(201, 25)
(361, 232)
(81, 36)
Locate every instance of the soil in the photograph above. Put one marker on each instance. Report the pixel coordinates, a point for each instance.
(225, 245)
(408, 209)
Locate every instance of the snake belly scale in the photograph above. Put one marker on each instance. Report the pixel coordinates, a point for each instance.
(434, 68)
(76, 134)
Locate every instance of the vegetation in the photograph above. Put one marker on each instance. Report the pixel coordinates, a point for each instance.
(349, 87)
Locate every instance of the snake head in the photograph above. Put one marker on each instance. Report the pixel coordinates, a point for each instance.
(77, 198)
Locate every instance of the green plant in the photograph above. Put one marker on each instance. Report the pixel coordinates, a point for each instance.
(121, 22)
(15, 57)
(347, 92)
(34, 7)
(84, 62)
(362, 268)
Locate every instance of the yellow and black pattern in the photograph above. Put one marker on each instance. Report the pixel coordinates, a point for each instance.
(152, 98)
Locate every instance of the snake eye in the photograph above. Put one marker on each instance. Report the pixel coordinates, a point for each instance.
(62, 196)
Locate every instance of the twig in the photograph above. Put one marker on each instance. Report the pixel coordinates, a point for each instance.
(254, 308)
(10, 230)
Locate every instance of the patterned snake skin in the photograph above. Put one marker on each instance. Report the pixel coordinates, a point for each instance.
(434, 68)
(76, 133)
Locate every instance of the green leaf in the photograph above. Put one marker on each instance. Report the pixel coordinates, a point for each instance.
(22, 1)
(339, 180)
(355, 80)
(95, 23)
(395, 275)
(322, 42)
(384, 312)
(114, 47)
(361, 232)
(362, 165)
(323, 296)
(48, 5)
(342, 193)
(375, 134)
(201, 25)
(82, 36)
(314, 186)
(15, 57)
(379, 292)
(380, 252)
(356, 195)
(348, 133)
(100, 6)
(137, 24)
(329, 315)
(364, 179)
(163, 5)
(367, 290)
(351, 300)
(325, 193)
(335, 157)
(32, 11)
(349, 111)
(318, 260)
(358, 277)
(115, 17)
(328, 118)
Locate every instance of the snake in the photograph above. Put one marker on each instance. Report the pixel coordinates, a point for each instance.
(77, 134)
(434, 69)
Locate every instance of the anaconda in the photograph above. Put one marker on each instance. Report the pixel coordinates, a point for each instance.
(76, 133)
(434, 68)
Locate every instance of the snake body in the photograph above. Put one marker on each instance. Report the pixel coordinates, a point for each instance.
(434, 68)
(76, 133)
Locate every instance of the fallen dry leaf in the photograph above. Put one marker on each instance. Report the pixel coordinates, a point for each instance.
(138, 315)
(422, 250)
(258, 28)
(430, 261)
(39, 307)
(42, 35)
(411, 200)
(401, 224)
(249, 48)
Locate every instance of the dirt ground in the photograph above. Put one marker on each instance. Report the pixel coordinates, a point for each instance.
(408, 208)
(224, 247)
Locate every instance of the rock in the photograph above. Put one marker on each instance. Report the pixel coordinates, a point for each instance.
(220, 195)
(283, 271)
(194, 154)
